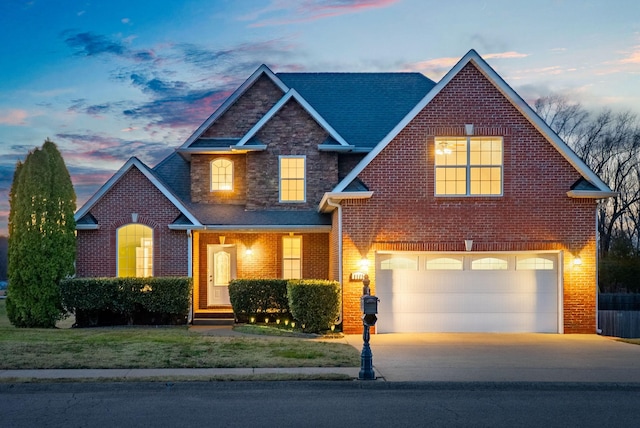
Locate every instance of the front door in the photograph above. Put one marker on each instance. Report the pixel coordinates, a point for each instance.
(221, 268)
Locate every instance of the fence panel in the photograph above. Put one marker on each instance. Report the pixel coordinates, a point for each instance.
(624, 324)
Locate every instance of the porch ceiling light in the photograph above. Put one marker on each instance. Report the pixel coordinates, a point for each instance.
(443, 149)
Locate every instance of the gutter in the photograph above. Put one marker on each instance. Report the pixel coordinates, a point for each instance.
(591, 194)
(339, 207)
(190, 271)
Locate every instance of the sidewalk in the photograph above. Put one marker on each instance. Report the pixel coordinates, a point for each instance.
(189, 373)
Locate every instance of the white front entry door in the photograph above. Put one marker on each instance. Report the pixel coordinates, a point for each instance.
(221, 268)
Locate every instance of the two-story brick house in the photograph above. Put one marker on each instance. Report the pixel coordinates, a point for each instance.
(466, 211)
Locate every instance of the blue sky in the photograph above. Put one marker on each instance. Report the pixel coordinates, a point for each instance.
(107, 80)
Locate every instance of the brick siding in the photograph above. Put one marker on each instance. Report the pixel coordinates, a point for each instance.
(292, 131)
(534, 214)
(96, 249)
(246, 111)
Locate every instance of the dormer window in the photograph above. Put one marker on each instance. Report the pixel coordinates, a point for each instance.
(221, 175)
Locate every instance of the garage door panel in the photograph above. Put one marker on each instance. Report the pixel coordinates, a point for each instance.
(468, 323)
(471, 301)
(460, 303)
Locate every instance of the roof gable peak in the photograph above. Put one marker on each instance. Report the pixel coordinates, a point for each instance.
(134, 162)
(289, 95)
(490, 74)
(241, 90)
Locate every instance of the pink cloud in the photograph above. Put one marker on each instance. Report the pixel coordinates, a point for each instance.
(433, 68)
(632, 57)
(311, 10)
(14, 117)
(438, 67)
(506, 55)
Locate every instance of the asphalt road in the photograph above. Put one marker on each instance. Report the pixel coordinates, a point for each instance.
(321, 404)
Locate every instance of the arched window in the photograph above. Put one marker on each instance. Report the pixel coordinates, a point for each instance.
(221, 175)
(135, 250)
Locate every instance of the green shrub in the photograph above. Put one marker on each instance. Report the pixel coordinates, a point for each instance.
(314, 303)
(114, 301)
(258, 296)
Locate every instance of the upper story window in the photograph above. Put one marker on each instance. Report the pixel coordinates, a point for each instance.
(292, 179)
(135, 250)
(468, 166)
(221, 175)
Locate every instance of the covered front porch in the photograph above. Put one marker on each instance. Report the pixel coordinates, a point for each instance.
(221, 256)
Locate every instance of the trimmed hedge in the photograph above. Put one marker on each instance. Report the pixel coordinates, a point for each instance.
(258, 296)
(314, 303)
(127, 301)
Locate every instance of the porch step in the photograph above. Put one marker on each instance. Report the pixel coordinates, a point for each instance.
(213, 321)
(222, 316)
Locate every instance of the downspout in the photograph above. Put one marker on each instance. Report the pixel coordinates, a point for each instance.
(598, 330)
(339, 207)
(190, 271)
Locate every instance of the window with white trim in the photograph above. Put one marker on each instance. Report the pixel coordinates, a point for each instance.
(534, 263)
(292, 257)
(292, 179)
(468, 166)
(399, 263)
(135, 250)
(489, 263)
(221, 175)
(444, 263)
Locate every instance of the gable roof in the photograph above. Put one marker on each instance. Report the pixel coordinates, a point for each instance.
(472, 56)
(175, 172)
(153, 179)
(263, 69)
(292, 94)
(376, 102)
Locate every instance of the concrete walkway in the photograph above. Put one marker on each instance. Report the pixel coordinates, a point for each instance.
(466, 357)
(440, 357)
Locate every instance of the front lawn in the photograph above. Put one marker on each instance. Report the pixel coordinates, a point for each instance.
(159, 347)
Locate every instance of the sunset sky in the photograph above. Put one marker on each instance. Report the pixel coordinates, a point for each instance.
(107, 80)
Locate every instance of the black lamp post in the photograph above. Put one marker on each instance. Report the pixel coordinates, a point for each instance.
(369, 305)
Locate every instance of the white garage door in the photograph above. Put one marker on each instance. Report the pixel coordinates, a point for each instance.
(467, 293)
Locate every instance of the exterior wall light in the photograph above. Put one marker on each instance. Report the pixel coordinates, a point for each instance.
(577, 261)
(364, 265)
(248, 251)
(468, 128)
(468, 244)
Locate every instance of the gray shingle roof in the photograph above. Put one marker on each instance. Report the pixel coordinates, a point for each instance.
(236, 215)
(214, 142)
(361, 107)
(175, 172)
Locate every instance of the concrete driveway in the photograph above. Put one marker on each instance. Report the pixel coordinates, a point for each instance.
(493, 357)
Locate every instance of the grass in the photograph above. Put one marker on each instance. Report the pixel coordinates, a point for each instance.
(159, 347)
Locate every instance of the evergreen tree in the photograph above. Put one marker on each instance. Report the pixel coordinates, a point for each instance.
(41, 237)
(4, 243)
